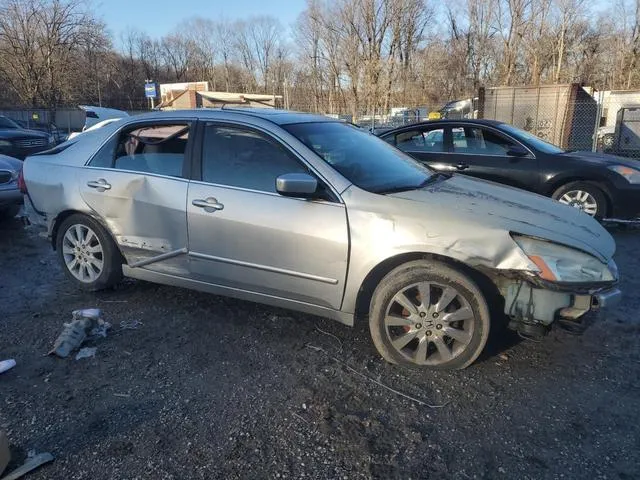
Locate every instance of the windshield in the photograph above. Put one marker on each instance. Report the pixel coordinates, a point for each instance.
(362, 158)
(8, 123)
(531, 140)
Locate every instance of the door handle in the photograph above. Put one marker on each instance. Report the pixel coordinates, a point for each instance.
(209, 205)
(462, 166)
(101, 185)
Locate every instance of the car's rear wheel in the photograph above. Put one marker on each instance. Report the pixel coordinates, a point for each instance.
(88, 255)
(429, 314)
(585, 196)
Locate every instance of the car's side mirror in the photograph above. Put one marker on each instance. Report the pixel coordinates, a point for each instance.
(300, 185)
(517, 151)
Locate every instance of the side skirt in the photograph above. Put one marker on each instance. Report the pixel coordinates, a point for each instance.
(166, 279)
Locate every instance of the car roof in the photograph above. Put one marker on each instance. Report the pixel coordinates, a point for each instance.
(467, 121)
(280, 117)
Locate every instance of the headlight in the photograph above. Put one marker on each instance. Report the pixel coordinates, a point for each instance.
(5, 143)
(558, 263)
(51, 139)
(631, 174)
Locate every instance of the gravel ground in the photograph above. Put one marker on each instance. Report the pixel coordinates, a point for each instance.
(209, 387)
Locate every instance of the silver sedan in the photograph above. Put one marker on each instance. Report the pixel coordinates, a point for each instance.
(312, 214)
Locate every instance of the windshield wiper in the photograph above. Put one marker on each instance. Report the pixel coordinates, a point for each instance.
(406, 188)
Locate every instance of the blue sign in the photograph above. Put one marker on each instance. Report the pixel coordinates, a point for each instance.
(151, 90)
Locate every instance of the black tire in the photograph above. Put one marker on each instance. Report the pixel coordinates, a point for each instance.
(437, 275)
(111, 271)
(592, 188)
(9, 213)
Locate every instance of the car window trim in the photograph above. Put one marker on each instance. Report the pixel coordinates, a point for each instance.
(188, 152)
(135, 172)
(196, 173)
(262, 192)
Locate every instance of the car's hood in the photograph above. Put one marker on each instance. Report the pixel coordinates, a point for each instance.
(602, 159)
(9, 133)
(10, 163)
(472, 201)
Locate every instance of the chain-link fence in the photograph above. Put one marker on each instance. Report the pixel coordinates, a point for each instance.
(569, 116)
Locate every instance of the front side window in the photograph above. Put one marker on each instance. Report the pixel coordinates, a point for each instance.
(157, 149)
(479, 141)
(239, 157)
(364, 159)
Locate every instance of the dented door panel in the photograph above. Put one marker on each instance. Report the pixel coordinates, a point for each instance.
(145, 213)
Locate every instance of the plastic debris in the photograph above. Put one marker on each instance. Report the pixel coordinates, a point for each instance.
(130, 325)
(7, 365)
(5, 454)
(31, 463)
(85, 323)
(86, 352)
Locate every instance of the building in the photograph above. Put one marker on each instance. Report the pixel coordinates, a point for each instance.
(180, 96)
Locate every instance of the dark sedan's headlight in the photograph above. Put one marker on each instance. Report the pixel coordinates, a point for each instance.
(631, 174)
(558, 263)
(5, 144)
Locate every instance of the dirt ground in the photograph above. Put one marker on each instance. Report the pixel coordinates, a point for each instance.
(209, 387)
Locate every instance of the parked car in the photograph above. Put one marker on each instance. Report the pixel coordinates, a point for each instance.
(313, 214)
(18, 142)
(10, 196)
(603, 186)
(96, 115)
(96, 126)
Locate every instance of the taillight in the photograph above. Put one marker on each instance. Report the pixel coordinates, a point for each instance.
(22, 186)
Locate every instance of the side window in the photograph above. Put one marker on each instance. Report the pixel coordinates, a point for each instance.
(479, 141)
(158, 149)
(243, 158)
(421, 141)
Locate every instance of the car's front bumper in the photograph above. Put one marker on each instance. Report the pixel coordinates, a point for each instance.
(606, 299)
(625, 203)
(545, 304)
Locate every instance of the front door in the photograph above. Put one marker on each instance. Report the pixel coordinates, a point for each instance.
(485, 153)
(137, 185)
(244, 235)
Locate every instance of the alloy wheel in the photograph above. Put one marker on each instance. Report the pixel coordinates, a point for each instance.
(429, 323)
(82, 252)
(581, 200)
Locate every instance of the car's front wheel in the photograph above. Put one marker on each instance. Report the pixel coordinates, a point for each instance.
(429, 314)
(88, 255)
(585, 196)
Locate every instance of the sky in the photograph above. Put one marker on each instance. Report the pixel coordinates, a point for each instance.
(158, 17)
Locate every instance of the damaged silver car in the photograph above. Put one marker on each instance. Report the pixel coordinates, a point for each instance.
(312, 214)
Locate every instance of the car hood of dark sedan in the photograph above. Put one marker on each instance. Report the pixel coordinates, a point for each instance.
(9, 133)
(517, 211)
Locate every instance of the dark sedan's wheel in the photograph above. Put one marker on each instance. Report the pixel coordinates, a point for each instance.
(88, 255)
(585, 196)
(430, 315)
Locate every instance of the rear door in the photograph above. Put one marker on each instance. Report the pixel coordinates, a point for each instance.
(244, 235)
(137, 185)
(484, 152)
